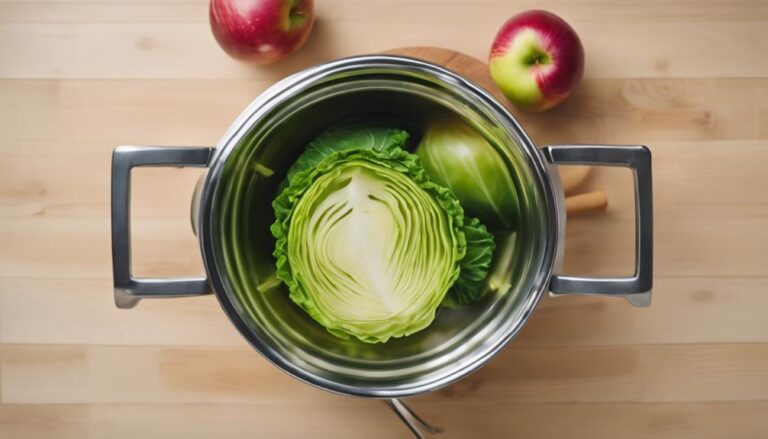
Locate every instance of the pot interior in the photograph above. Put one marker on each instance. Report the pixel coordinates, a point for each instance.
(459, 339)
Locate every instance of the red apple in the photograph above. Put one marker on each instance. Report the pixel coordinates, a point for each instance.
(536, 60)
(262, 31)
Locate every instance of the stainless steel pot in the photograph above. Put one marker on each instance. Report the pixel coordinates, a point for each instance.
(232, 214)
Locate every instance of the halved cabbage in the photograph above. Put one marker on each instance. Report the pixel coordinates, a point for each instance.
(367, 244)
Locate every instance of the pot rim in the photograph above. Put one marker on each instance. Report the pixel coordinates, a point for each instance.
(545, 175)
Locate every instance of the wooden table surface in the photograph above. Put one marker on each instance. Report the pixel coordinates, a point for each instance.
(689, 79)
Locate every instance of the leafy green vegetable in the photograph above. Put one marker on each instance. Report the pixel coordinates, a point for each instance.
(470, 285)
(347, 137)
(457, 156)
(367, 243)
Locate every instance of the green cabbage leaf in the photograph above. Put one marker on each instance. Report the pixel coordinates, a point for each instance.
(470, 285)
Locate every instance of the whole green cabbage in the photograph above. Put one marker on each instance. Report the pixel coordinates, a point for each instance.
(460, 158)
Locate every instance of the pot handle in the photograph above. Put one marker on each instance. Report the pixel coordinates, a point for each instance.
(128, 289)
(637, 288)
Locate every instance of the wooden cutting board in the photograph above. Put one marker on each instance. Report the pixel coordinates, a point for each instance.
(477, 71)
(465, 65)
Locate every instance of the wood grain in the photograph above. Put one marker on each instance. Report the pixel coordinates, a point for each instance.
(81, 374)
(188, 11)
(80, 77)
(80, 311)
(367, 419)
(185, 50)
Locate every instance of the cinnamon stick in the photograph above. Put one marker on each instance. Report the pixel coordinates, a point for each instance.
(586, 202)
